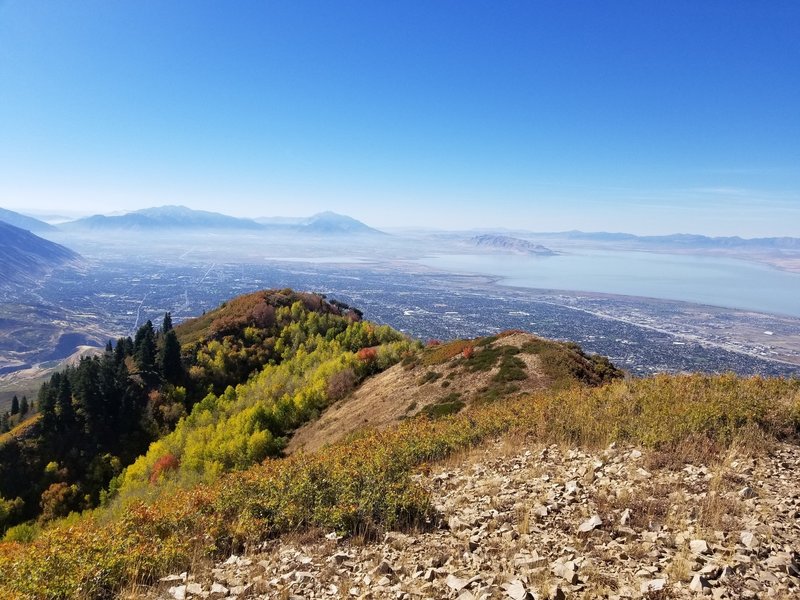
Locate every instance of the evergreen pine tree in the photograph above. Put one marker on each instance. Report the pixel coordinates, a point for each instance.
(23, 406)
(87, 395)
(47, 401)
(144, 349)
(170, 358)
(14, 405)
(166, 327)
(64, 409)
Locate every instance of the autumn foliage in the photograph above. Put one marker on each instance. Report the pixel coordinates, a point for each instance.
(367, 355)
(168, 462)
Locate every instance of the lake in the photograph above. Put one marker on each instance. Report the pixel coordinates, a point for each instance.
(704, 280)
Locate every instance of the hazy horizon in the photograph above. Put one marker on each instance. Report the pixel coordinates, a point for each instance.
(655, 119)
(53, 217)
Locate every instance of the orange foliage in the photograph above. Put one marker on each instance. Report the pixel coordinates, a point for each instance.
(367, 355)
(440, 353)
(166, 463)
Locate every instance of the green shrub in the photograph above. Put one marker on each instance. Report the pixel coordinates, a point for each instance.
(429, 377)
(442, 409)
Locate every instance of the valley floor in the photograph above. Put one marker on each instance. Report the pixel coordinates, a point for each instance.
(520, 521)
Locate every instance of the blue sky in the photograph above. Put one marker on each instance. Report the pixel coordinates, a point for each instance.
(650, 117)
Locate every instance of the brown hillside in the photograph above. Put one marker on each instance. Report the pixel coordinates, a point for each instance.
(443, 379)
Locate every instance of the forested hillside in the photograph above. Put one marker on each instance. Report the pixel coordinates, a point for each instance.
(98, 417)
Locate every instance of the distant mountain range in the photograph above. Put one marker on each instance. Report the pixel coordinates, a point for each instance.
(186, 219)
(25, 256)
(512, 245)
(327, 223)
(163, 217)
(680, 240)
(24, 222)
(330, 223)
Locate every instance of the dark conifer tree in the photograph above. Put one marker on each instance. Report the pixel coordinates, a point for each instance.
(63, 404)
(166, 327)
(23, 406)
(14, 405)
(170, 358)
(123, 348)
(144, 350)
(47, 402)
(88, 399)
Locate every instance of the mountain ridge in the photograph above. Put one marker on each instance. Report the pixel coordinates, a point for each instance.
(162, 217)
(680, 239)
(24, 221)
(176, 217)
(24, 256)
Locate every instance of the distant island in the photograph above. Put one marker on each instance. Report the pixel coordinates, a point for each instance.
(504, 243)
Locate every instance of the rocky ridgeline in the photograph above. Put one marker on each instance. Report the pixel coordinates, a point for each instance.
(548, 523)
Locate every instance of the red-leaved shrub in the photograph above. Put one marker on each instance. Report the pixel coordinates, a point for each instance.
(168, 462)
(367, 355)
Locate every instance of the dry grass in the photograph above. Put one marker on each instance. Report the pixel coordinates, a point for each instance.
(523, 518)
(681, 565)
(650, 505)
(20, 428)
(695, 449)
(664, 594)
(598, 583)
(721, 508)
(541, 580)
(400, 393)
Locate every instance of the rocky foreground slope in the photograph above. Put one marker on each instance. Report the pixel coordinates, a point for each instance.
(522, 521)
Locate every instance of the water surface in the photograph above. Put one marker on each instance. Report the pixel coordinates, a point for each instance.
(700, 279)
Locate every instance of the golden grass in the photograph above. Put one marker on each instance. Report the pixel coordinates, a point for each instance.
(20, 428)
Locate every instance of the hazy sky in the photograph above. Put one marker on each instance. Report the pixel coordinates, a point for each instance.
(642, 116)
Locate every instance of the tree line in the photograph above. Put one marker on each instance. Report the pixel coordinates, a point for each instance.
(94, 418)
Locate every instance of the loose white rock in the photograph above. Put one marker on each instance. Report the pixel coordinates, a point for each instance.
(654, 585)
(590, 525)
(178, 592)
(456, 583)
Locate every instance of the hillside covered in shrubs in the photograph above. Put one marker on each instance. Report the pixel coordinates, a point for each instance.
(175, 388)
(211, 477)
